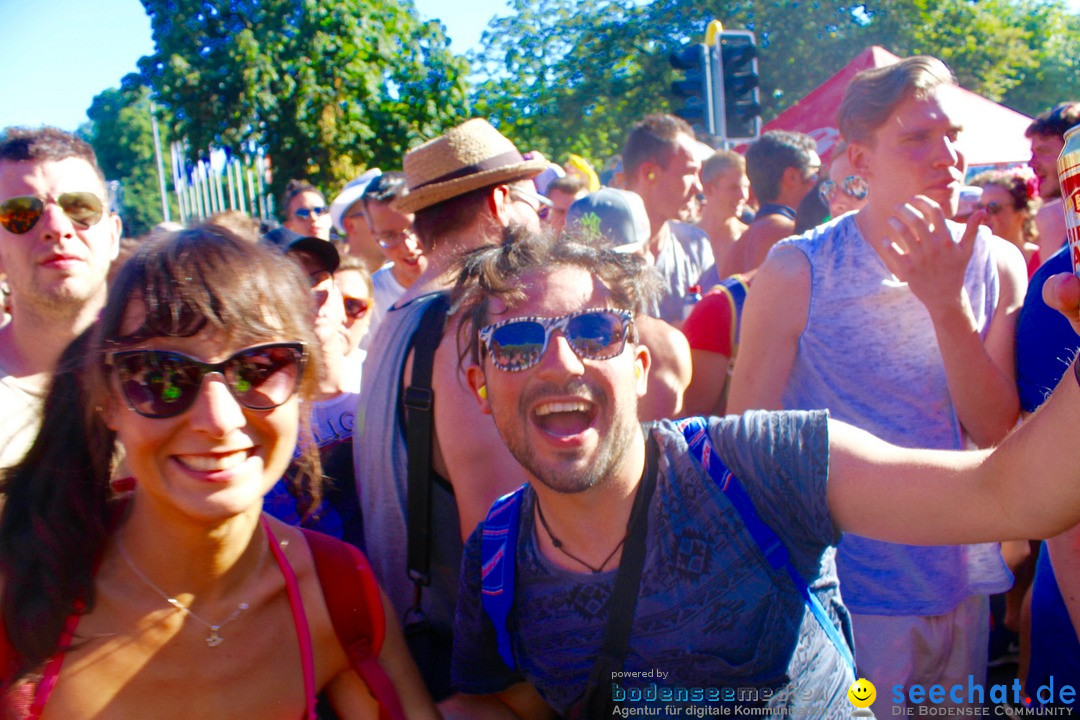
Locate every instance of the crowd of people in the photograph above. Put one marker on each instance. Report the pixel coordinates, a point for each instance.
(494, 437)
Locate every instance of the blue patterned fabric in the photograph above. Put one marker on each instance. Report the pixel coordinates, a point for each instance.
(712, 615)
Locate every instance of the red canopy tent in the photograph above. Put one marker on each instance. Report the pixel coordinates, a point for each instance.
(993, 134)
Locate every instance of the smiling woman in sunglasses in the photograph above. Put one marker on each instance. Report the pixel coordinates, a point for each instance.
(170, 594)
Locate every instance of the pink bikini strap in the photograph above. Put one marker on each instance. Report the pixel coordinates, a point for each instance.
(303, 632)
(51, 672)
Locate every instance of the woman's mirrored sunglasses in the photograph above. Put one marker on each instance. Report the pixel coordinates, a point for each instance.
(853, 186)
(518, 344)
(20, 214)
(164, 383)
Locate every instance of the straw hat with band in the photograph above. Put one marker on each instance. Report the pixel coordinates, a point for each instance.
(468, 157)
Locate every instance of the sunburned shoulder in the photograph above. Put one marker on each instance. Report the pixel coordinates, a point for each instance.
(770, 226)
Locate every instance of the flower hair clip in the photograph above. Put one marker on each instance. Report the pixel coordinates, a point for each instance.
(1031, 185)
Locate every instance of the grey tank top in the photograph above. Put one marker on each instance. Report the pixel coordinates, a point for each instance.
(869, 354)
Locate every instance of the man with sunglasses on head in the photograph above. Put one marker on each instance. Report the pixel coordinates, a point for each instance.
(900, 322)
(57, 239)
(393, 232)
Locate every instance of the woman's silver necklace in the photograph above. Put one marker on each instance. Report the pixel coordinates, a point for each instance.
(214, 638)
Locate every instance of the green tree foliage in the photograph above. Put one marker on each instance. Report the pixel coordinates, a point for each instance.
(1055, 75)
(121, 134)
(573, 75)
(564, 75)
(327, 86)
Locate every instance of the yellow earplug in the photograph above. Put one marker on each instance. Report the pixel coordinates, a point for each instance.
(482, 392)
(651, 176)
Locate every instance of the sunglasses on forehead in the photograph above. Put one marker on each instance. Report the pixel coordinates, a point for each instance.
(518, 344)
(20, 214)
(163, 383)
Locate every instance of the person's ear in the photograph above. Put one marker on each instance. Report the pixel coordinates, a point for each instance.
(859, 156)
(117, 230)
(478, 384)
(107, 412)
(792, 177)
(642, 363)
(648, 173)
(498, 198)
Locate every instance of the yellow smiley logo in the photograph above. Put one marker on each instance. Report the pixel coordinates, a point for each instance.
(862, 693)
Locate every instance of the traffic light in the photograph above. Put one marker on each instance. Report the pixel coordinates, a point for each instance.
(697, 87)
(739, 113)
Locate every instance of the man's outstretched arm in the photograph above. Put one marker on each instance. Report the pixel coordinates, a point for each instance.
(1028, 486)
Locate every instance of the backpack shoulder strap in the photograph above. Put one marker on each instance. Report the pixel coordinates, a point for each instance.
(498, 547)
(355, 604)
(419, 401)
(695, 430)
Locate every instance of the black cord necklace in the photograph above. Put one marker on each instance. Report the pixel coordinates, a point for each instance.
(559, 544)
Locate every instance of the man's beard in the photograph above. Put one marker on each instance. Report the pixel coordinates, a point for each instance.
(610, 451)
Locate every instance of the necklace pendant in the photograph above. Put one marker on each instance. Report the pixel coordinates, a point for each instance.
(213, 639)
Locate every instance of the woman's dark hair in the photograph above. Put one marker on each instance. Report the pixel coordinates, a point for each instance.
(59, 509)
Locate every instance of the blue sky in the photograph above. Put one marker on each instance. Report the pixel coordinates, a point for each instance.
(57, 55)
(71, 50)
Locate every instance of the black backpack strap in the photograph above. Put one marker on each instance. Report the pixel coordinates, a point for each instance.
(625, 594)
(419, 401)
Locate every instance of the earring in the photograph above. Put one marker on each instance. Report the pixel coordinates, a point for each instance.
(482, 392)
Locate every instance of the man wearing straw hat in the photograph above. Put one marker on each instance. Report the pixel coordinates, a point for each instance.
(468, 187)
(57, 239)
